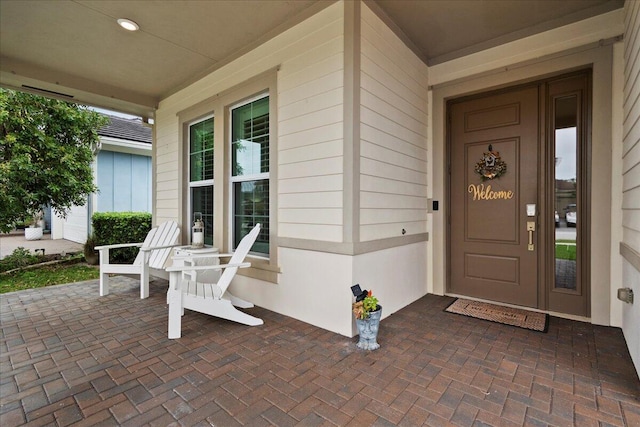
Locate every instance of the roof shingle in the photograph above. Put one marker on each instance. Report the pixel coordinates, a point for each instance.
(127, 129)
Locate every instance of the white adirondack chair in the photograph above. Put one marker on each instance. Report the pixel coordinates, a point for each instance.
(152, 257)
(210, 298)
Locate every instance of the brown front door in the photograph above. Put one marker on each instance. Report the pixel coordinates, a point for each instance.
(519, 195)
(494, 176)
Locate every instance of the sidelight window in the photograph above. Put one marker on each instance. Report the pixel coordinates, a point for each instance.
(566, 192)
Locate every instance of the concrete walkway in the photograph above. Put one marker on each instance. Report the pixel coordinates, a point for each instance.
(9, 242)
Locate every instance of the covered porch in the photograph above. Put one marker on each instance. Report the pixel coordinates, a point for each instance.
(69, 357)
(358, 192)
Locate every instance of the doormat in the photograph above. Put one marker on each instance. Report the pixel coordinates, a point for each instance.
(499, 314)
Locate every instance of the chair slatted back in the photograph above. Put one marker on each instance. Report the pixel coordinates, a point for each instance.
(165, 234)
(147, 242)
(238, 257)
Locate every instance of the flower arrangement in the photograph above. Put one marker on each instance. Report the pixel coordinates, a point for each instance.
(368, 314)
(365, 305)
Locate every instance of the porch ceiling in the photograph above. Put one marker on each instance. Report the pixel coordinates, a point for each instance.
(75, 49)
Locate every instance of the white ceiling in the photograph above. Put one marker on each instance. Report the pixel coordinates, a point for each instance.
(75, 48)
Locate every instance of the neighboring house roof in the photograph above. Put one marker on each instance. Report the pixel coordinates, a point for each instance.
(127, 129)
(565, 185)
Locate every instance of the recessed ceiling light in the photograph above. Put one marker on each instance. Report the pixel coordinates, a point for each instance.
(128, 24)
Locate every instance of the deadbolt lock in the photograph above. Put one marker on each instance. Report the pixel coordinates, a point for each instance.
(531, 226)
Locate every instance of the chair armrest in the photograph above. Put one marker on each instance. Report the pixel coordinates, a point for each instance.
(206, 267)
(121, 245)
(151, 248)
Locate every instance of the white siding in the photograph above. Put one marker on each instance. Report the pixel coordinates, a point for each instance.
(393, 134)
(631, 173)
(310, 163)
(166, 166)
(631, 127)
(310, 131)
(310, 114)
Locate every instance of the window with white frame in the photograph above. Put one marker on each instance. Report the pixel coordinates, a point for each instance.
(243, 191)
(250, 171)
(201, 174)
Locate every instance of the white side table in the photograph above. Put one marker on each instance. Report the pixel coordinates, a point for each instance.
(210, 276)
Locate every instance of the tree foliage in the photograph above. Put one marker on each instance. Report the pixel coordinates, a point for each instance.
(46, 150)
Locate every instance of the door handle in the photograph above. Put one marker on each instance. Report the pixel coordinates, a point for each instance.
(531, 227)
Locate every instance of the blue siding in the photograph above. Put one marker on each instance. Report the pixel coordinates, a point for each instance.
(141, 183)
(124, 181)
(105, 182)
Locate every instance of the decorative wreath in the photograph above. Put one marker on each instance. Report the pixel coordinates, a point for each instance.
(491, 165)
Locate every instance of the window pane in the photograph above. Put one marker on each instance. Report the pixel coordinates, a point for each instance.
(250, 138)
(202, 201)
(201, 150)
(566, 192)
(252, 207)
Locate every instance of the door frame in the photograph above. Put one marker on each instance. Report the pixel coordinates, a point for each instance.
(545, 235)
(605, 65)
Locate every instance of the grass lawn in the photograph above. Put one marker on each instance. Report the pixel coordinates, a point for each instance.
(46, 276)
(565, 252)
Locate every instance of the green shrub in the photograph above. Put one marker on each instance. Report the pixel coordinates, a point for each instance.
(111, 228)
(20, 257)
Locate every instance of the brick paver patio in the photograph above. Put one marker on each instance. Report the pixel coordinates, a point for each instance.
(70, 357)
